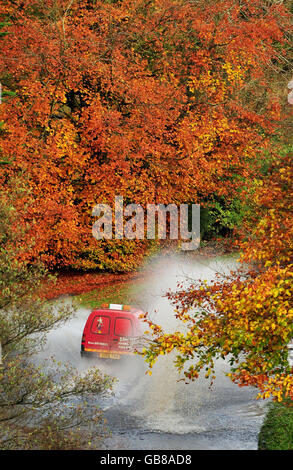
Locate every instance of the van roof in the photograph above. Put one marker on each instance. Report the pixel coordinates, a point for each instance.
(117, 308)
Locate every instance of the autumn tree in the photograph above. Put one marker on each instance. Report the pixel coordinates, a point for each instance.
(43, 405)
(245, 318)
(157, 101)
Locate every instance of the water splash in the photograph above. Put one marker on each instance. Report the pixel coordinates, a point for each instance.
(225, 416)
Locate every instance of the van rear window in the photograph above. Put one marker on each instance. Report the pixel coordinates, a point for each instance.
(123, 326)
(101, 325)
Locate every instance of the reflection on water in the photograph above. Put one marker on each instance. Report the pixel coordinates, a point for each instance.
(158, 411)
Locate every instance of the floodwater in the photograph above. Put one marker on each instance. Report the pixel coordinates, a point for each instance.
(158, 411)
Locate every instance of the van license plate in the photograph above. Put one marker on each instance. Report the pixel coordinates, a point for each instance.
(109, 355)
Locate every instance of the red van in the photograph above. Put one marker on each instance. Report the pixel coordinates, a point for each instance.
(112, 331)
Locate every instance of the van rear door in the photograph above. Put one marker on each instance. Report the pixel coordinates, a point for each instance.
(100, 332)
(101, 324)
(123, 332)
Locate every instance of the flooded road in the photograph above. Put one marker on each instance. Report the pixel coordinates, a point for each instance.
(158, 412)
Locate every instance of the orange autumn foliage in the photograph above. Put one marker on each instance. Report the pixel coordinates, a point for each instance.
(79, 283)
(157, 101)
(246, 318)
